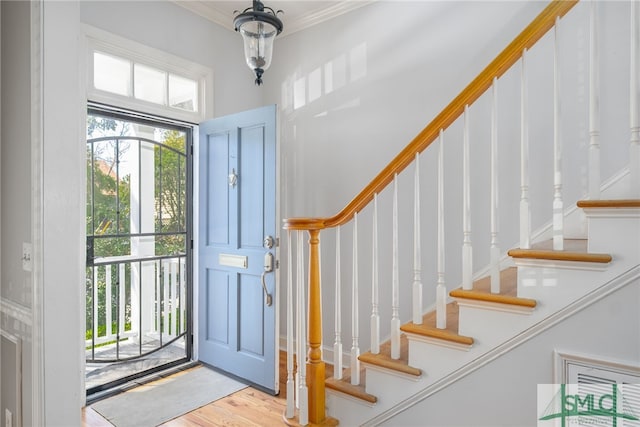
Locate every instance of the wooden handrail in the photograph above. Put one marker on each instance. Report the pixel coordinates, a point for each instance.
(505, 60)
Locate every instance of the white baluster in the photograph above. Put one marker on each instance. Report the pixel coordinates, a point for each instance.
(594, 106)
(303, 392)
(108, 304)
(467, 249)
(298, 313)
(494, 251)
(395, 280)
(634, 110)
(355, 348)
(441, 289)
(183, 295)
(525, 209)
(417, 268)
(375, 316)
(337, 345)
(290, 381)
(121, 298)
(558, 218)
(165, 298)
(96, 293)
(158, 297)
(174, 287)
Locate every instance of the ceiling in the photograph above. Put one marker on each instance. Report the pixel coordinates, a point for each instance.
(297, 15)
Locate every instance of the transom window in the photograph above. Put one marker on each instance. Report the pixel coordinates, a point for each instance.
(128, 78)
(125, 73)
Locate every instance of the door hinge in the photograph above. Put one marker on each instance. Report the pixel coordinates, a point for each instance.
(192, 149)
(191, 243)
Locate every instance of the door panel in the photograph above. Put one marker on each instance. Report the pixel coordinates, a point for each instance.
(217, 188)
(252, 208)
(218, 299)
(237, 200)
(251, 309)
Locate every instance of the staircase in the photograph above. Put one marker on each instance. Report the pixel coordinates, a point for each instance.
(583, 255)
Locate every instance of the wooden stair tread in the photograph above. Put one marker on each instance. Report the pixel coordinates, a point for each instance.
(612, 203)
(508, 290)
(344, 385)
(384, 360)
(428, 327)
(574, 250)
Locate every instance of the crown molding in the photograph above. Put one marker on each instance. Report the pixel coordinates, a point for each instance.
(205, 9)
(324, 14)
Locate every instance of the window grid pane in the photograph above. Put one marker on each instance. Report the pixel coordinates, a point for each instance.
(111, 74)
(183, 93)
(150, 84)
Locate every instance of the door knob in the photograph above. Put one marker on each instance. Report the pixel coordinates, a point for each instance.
(268, 242)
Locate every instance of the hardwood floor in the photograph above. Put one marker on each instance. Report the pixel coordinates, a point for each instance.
(247, 407)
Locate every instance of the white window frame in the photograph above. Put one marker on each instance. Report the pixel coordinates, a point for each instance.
(98, 40)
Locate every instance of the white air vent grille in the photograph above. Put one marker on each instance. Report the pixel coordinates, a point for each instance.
(598, 377)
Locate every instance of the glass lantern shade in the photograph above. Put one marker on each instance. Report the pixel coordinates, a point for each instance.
(258, 26)
(258, 43)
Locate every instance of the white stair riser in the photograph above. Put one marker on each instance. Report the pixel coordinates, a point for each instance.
(383, 383)
(615, 235)
(490, 327)
(556, 287)
(437, 360)
(346, 409)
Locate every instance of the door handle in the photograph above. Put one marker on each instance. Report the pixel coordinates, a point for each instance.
(268, 268)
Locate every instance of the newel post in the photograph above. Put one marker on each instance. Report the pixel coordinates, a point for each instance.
(315, 364)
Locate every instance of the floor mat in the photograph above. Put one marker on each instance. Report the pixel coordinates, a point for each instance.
(160, 401)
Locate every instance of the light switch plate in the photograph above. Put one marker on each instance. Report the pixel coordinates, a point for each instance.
(27, 263)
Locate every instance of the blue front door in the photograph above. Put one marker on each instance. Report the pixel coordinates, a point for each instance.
(237, 246)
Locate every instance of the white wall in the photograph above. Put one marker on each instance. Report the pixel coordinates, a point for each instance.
(16, 150)
(355, 90)
(503, 393)
(63, 215)
(15, 224)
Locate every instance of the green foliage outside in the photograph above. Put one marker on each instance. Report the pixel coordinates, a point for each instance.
(108, 211)
(171, 181)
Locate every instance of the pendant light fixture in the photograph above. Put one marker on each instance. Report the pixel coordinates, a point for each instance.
(258, 26)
